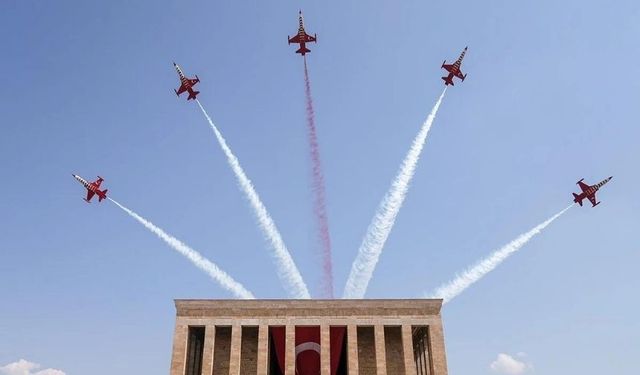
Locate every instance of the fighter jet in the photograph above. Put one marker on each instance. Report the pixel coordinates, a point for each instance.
(589, 192)
(93, 188)
(454, 69)
(186, 84)
(302, 37)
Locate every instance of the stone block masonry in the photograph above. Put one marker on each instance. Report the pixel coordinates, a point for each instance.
(341, 337)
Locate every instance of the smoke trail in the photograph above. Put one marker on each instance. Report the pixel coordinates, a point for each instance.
(462, 281)
(385, 217)
(198, 260)
(320, 208)
(287, 270)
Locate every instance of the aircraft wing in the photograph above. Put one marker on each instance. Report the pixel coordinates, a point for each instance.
(583, 186)
(460, 75)
(295, 39)
(97, 182)
(448, 67)
(181, 89)
(309, 38)
(194, 81)
(90, 195)
(592, 199)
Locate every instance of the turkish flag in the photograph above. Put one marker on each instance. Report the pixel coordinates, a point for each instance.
(307, 350)
(336, 336)
(278, 336)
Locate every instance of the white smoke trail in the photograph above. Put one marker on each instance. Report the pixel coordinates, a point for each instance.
(225, 281)
(287, 270)
(385, 217)
(472, 274)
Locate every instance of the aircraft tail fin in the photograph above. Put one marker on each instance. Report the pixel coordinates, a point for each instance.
(303, 50)
(192, 95)
(448, 81)
(576, 200)
(103, 195)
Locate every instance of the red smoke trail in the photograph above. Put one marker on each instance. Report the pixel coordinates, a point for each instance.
(319, 204)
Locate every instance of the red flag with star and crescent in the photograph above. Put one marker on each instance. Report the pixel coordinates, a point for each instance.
(308, 349)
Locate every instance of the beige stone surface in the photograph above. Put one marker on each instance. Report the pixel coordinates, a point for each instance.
(407, 346)
(394, 351)
(380, 350)
(301, 308)
(325, 351)
(367, 364)
(352, 349)
(436, 344)
(179, 349)
(221, 350)
(207, 353)
(234, 358)
(263, 349)
(249, 351)
(381, 355)
(290, 348)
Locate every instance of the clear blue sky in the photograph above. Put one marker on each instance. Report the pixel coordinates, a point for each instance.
(552, 95)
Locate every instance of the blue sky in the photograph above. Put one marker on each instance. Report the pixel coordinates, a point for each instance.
(551, 97)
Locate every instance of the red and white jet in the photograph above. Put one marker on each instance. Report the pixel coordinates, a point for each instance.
(589, 192)
(186, 84)
(93, 188)
(454, 69)
(302, 37)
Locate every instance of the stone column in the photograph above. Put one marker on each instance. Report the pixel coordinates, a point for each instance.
(381, 354)
(436, 345)
(236, 342)
(290, 350)
(325, 350)
(207, 353)
(179, 349)
(407, 348)
(352, 349)
(263, 349)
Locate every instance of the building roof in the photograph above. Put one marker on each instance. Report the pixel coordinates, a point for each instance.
(312, 307)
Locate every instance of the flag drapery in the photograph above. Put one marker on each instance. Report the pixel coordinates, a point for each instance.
(308, 349)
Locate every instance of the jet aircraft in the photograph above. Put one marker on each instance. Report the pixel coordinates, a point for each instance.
(454, 69)
(589, 192)
(93, 188)
(186, 84)
(302, 37)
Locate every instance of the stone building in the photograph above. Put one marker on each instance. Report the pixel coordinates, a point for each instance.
(308, 337)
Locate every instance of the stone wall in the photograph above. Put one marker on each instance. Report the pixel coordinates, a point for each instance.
(249, 351)
(366, 351)
(393, 350)
(379, 338)
(221, 351)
